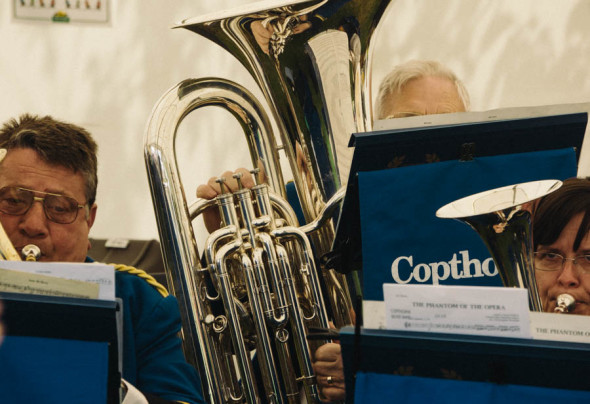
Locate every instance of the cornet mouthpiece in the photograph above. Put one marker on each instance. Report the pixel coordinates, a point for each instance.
(565, 303)
(31, 252)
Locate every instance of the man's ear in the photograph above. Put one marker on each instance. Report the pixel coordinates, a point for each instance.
(91, 215)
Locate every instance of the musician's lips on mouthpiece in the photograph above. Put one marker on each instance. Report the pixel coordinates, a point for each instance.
(580, 306)
(20, 249)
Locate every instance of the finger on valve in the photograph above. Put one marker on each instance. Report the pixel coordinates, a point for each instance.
(213, 188)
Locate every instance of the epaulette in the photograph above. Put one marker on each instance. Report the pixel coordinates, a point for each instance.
(143, 275)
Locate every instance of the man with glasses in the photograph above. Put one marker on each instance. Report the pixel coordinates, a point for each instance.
(561, 236)
(16, 201)
(55, 164)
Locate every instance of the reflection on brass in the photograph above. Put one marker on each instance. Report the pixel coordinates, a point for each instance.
(281, 24)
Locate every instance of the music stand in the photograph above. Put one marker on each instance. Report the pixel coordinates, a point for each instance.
(462, 141)
(440, 357)
(69, 319)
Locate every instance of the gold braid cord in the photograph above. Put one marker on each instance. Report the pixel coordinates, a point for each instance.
(144, 275)
(149, 279)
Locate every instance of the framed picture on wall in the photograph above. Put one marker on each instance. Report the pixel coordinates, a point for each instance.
(62, 11)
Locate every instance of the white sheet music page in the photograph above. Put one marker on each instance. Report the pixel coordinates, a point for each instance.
(560, 327)
(93, 273)
(475, 310)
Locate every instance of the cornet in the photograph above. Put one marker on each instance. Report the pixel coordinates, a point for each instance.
(502, 218)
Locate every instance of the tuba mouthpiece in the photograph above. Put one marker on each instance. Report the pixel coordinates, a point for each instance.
(565, 303)
(31, 252)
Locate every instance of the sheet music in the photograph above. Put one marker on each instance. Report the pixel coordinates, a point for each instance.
(491, 311)
(93, 273)
(26, 282)
(560, 327)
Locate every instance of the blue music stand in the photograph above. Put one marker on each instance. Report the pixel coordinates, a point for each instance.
(70, 346)
(464, 141)
(387, 366)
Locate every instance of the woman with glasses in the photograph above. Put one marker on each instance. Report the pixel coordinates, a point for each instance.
(561, 233)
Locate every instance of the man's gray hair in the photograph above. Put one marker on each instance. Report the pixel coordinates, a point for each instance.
(397, 79)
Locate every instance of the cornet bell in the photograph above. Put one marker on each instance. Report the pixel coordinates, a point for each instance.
(502, 218)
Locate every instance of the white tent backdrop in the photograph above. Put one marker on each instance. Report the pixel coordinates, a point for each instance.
(107, 78)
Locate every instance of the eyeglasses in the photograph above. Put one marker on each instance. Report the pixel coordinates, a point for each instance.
(58, 208)
(549, 261)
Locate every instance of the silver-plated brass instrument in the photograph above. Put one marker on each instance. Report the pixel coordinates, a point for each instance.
(30, 252)
(260, 286)
(502, 218)
(7, 250)
(565, 303)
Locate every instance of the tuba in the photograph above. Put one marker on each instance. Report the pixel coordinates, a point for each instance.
(262, 282)
(502, 217)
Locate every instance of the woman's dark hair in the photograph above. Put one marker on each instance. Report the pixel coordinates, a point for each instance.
(555, 210)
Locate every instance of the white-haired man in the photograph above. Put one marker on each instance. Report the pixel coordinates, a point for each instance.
(417, 87)
(420, 87)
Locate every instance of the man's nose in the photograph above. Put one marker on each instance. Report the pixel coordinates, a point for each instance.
(569, 275)
(34, 222)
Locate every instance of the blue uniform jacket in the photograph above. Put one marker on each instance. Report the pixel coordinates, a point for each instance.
(153, 360)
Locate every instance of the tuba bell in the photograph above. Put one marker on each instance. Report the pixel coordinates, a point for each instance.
(260, 284)
(502, 217)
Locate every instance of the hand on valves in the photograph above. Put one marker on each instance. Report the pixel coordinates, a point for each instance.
(212, 189)
(327, 364)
